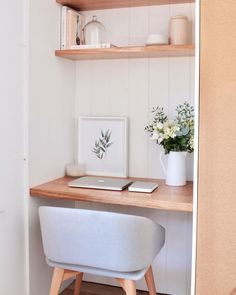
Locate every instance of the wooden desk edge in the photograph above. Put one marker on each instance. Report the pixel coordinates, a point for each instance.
(159, 204)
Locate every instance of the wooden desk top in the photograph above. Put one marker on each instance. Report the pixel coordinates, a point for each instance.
(165, 197)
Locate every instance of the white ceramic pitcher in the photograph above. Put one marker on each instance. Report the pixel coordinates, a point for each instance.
(176, 168)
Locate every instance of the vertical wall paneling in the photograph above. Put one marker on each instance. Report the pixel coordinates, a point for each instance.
(131, 87)
(138, 90)
(51, 124)
(158, 95)
(13, 101)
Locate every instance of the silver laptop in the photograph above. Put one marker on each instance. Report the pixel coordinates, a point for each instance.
(113, 184)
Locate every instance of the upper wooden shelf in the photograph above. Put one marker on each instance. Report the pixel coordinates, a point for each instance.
(128, 52)
(165, 197)
(108, 4)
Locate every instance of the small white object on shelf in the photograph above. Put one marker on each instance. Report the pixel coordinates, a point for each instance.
(179, 30)
(75, 170)
(143, 187)
(157, 39)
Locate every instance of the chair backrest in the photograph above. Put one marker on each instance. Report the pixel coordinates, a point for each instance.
(105, 240)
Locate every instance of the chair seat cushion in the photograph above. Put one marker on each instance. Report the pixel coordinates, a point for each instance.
(136, 275)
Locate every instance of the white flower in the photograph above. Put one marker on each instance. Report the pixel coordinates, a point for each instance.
(155, 135)
(160, 139)
(191, 143)
(170, 129)
(159, 125)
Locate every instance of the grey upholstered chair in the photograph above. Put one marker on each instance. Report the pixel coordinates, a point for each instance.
(115, 245)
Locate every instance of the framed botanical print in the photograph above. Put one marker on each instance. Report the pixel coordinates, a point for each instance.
(102, 145)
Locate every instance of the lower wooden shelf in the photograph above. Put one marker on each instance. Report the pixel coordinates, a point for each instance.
(128, 52)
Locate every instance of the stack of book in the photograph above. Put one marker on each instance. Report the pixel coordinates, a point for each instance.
(72, 37)
(93, 46)
(72, 24)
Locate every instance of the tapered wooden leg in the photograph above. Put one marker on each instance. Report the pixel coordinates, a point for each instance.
(78, 282)
(150, 281)
(130, 287)
(121, 282)
(57, 278)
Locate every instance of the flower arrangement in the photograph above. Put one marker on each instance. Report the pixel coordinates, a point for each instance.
(176, 135)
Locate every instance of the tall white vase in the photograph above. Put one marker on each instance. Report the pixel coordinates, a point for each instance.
(176, 168)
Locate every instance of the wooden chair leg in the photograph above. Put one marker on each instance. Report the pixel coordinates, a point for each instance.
(121, 282)
(57, 278)
(130, 287)
(150, 281)
(78, 282)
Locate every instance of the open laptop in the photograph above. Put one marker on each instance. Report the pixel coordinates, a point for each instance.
(114, 184)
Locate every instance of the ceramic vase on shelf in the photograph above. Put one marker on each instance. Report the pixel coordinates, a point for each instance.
(178, 30)
(176, 168)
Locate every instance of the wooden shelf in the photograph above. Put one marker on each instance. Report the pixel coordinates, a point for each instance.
(165, 197)
(108, 4)
(128, 52)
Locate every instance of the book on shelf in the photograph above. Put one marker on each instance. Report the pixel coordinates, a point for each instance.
(92, 46)
(72, 23)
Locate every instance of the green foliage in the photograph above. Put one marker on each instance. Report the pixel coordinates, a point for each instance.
(176, 135)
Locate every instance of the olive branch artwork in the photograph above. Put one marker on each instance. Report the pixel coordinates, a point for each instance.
(102, 144)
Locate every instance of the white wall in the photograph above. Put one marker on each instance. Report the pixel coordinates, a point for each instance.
(12, 104)
(131, 87)
(51, 124)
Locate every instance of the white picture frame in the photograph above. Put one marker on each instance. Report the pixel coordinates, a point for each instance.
(103, 145)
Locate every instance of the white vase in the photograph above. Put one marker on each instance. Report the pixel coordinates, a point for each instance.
(176, 168)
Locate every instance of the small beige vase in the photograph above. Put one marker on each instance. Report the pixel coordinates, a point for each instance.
(178, 29)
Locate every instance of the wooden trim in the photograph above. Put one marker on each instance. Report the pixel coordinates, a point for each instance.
(108, 4)
(216, 234)
(165, 197)
(128, 52)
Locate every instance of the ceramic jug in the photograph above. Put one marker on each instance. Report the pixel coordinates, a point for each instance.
(176, 168)
(178, 30)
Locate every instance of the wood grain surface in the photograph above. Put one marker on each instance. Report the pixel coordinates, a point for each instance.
(107, 4)
(165, 197)
(216, 239)
(128, 52)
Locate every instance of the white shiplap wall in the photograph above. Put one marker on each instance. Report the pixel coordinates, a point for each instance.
(50, 127)
(131, 87)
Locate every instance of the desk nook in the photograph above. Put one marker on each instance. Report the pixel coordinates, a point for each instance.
(113, 108)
